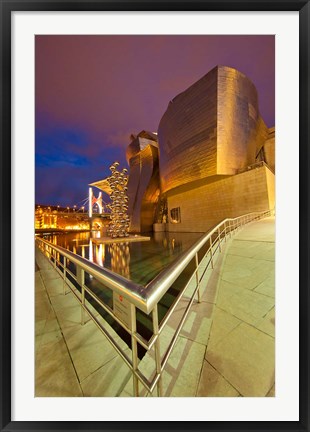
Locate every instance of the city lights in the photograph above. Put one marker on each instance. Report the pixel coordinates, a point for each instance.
(60, 219)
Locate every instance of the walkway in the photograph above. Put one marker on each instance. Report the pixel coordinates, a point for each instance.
(226, 347)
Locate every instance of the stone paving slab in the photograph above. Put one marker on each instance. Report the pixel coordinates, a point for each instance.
(55, 375)
(223, 323)
(245, 358)
(109, 380)
(212, 384)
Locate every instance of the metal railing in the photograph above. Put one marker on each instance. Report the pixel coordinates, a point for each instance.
(192, 264)
(255, 165)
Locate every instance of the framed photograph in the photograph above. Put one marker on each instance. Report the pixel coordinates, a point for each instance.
(151, 151)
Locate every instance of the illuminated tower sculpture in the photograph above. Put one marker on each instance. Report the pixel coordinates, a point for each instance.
(119, 224)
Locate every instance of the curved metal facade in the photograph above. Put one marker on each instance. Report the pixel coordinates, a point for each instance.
(143, 183)
(212, 128)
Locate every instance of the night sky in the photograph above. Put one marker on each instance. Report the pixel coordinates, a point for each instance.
(92, 92)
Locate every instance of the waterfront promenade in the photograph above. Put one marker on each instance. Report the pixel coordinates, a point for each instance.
(226, 347)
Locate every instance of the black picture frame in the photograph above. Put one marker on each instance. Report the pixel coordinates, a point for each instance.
(6, 8)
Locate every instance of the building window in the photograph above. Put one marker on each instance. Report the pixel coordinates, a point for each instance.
(175, 215)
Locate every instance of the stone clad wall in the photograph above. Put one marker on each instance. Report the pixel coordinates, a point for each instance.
(271, 188)
(269, 149)
(205, 206)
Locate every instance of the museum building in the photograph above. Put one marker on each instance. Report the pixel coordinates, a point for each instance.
(213, 158)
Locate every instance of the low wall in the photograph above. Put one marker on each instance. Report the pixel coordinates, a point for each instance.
(203, 207)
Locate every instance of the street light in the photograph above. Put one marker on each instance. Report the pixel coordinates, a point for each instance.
(83, 209)
(68, 209)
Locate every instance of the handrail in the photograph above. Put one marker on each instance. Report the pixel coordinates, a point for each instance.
(146, 298)
(163, 281)
(132, 291)
(143, 297)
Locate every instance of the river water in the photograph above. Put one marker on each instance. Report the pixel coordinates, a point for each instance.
(137, 261)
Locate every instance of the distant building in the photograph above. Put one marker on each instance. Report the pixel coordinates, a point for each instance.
(60, 218)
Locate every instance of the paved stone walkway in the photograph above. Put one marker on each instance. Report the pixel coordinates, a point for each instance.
(226, 347)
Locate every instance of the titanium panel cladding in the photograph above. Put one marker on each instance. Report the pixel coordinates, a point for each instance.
(187, 134)
(212, 128)
(143, 183)
(240, 130)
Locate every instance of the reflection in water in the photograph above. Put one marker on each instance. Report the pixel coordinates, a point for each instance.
(120, 258)
(90, 254)
(138, 261)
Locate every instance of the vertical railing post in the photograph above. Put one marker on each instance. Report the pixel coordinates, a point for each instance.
(80, 278)
(65, 276)
(54, 257)
(134, 349)
(211, 253)
(157, 350)
(219, 237)
(225, 231)
(197, 278)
